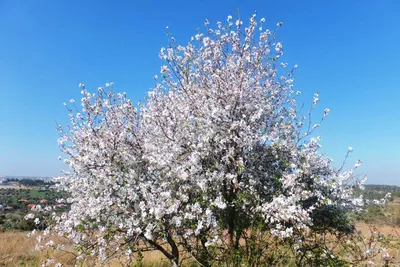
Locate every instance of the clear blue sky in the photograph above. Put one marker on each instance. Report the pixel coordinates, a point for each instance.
(348, 51)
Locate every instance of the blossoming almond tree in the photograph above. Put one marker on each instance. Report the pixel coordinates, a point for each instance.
(218, 158)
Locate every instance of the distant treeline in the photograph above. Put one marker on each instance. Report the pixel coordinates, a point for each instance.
(378, 191)
(30, 182)
(383, 188)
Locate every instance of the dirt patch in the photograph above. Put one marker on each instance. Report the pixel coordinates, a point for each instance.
(384, 229)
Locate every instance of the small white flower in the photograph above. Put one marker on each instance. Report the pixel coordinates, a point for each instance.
(316, 99)
(128, 252)
(29, 216)
(350, 149)
(164, 69)
(358, 164)
(278, 47)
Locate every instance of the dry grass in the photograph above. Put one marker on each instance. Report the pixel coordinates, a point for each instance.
(17, 249)
(388, 231)
(383, 229)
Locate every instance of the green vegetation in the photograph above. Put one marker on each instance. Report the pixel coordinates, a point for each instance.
(16, 203)
(39, 193)
(380, 214)
(373, 191)
(19, 198)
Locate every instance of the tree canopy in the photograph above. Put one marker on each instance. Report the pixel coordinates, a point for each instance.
(216, 159)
